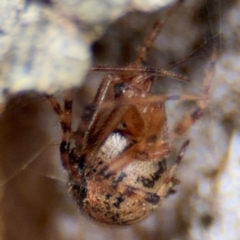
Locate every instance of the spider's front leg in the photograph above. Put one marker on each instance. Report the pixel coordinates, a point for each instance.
(202, 103)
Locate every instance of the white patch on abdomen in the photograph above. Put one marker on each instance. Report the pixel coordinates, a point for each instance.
(113, 146)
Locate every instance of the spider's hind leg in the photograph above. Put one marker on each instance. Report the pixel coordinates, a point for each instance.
(65, 117)
(167, 184)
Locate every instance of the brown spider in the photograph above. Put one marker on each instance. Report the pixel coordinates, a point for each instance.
(116, 158)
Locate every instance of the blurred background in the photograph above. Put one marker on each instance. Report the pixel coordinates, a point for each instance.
(48, 46)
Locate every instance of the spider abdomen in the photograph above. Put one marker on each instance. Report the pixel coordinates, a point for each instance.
(107, 205)
(124, 196)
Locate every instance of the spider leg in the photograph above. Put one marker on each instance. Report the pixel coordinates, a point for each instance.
(150, 99)
(167, 182)
(136, 152)
(188, 121)
(92, 113)
(154, 32)
(65, 117)
(97, 136)
(147, 137)
(99, 122)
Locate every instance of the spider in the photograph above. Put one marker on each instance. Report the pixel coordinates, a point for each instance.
(116, 158)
